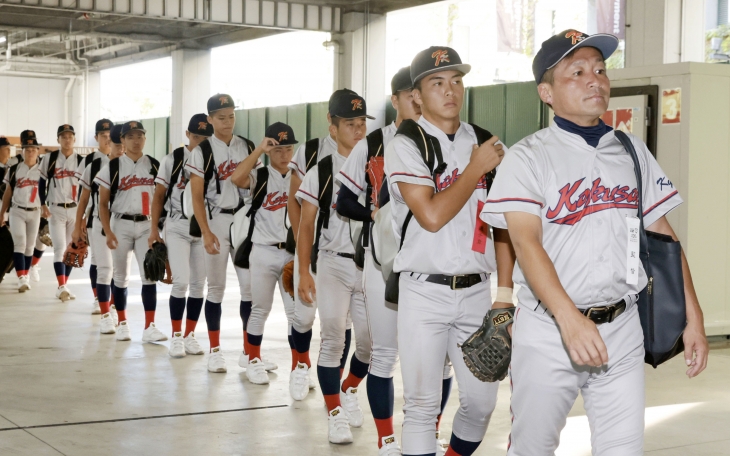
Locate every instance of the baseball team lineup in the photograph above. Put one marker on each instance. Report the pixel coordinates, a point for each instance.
(391, 240)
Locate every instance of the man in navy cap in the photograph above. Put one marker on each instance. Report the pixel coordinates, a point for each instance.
(570, 198)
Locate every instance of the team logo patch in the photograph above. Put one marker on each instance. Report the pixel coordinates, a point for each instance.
(202, 125)
(283, 136)
(591, 200)
(31, 134)
(132, 124)
(389, 440)
(576, 36)
(274, 201)
(105, 125)
(335, 412)
(224, 100)
(440, 56)
(67, 127)
(128, 182)
(500, 319)
(30, 141)
(356, 104)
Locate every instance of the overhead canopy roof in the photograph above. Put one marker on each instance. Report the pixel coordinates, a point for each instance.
(62, 35)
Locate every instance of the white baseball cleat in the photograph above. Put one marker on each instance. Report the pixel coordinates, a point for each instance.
(71, 295)
(216, 363)
(107, 324)
(23, 284)
(123, 331)
(339, 428)
(299, 382)
(114, 314)
(268, 365)
(352, 406)
(192, 347)
(63, 294)
(177, 346)
(389, 446)
(34, 273)
(256, 372)
(152, 334)
(96, 310)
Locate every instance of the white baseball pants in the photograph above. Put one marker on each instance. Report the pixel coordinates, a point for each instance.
(101, 254)
(131, 239)
(339, 291)
(61, 227)
(432, 321)
(266, 266)
(24, 229)
(545, 384)
(187, 258)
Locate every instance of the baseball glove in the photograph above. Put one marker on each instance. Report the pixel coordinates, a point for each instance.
(156, 264)
(287, 276)
(75, 254)
(376, 173)
(488, 351)
(43, 234)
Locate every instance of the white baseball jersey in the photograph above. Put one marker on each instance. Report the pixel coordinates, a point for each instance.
(337, 237)
(449, 250)
(584, 197)
(136, 186)
(327, 146)
(63, 187)
(87, 161)
(270, 220)
(86, 180)
(226, 158)
(25, 193)
(173, 206)
(352, 174)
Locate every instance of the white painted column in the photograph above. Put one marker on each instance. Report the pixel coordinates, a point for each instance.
(93, 106)
(190, 90)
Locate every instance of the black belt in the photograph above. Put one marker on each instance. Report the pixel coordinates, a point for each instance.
(228, 211)
(64, 205)
(456, 282)
(29, 209)
(280, 245)
(344, 255)
(134, 218)
(604, 314)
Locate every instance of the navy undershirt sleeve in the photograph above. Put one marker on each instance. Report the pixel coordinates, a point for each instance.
(42, 190)
(348, 206)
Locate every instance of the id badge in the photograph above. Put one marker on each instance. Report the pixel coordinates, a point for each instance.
(632, 250)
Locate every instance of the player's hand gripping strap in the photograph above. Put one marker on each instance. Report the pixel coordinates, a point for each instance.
(44, 234)
(156, 264)
(487, 353)
(287, 276)
(75, 254)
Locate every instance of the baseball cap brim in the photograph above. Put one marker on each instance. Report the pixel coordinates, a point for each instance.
(23, 146)
(463, 68)
(355, 117)
(133, 129)
(605, 43)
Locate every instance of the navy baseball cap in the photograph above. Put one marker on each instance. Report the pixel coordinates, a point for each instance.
(220, 101)
(28, 139)
(434, 60)
(4, 141)
(347, 104)
(401, 81)
(116, 134)
(282, 133)
(103, 125)
(132, 125)
(199, 125)
(555, 48)
(64, 128)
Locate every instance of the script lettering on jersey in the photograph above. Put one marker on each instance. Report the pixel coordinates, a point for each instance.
(664, 182)
(591, 200)
(128, 182)
(63, 173)
(446, 180)
(274, 202)
(225, 169)
(26, 182)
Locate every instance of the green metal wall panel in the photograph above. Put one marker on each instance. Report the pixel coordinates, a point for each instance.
(241, 127)
(256, 124)
(317, 116)
(464, 113)
(276, 114)
(161, 137)
(522, 111)
(390, 112)
(150, 136)
(487, 108)
(297, 119)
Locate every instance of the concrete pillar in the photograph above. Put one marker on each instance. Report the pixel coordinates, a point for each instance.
(93, 105)
(190, 90)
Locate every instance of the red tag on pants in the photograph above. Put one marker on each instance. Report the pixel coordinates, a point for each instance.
(145, 203)
(481, 232)
(33, 194)
(73, 192)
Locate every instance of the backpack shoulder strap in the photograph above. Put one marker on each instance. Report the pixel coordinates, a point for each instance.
(311, 151)
(482, 137)
(251, 146)
(20, 158)
(324, 173)
(375, 143)
(114, 176)
(88, 160)
(428, 145)
(11, 172)
(53, 157)
(81, 158)
(208, 166)
(178, 156)
(95, 168)
(155, 168)
(260, 191)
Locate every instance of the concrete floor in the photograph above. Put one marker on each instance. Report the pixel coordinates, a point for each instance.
(65, 389)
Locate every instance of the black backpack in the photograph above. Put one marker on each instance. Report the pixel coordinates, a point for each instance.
(326, 185)
(243, 253)
(114, 176)
(95, 168)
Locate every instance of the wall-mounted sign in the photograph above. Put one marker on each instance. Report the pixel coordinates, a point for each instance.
(671, 106)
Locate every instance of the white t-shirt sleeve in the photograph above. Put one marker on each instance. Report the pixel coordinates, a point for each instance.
(195, 163)
(297, 163)
(352, 174)
(102, 177)
(659, 194)
(165, 173)
(309, 190)
(516, 188)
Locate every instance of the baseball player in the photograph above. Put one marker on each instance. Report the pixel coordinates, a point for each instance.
(382, 316)
(215, 200)
(306, 156)
(568, 195)
(21, 196)
(83, 220)
(268, 254)
(126, 185)
(58, 190)
(444, 291)
(339, 280)
(185, 252)
(6, 161)
(101, 255)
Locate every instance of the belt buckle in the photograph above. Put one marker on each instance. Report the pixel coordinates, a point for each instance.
(597, 309)
(453, 282)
